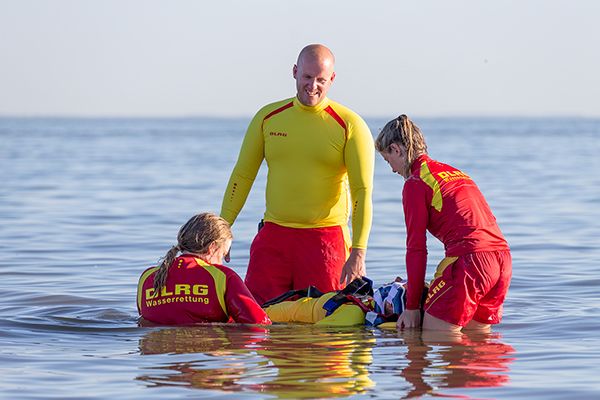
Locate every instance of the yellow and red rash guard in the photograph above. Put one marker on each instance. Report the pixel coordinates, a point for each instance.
(312, 154)
(445, 201)
(196, 291)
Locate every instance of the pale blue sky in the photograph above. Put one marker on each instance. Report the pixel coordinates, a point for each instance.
(228, 58)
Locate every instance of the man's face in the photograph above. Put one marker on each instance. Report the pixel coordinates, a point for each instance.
(314, 77)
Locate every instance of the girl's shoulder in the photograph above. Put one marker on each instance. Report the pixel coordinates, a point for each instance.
(225, 270)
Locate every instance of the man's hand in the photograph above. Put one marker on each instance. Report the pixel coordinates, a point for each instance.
(354, 267)
(409, 319)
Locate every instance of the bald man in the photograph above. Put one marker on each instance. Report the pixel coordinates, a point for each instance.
(320, 159)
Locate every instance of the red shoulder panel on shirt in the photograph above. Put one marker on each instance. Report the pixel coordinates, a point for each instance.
(278, 110)
(329, 110)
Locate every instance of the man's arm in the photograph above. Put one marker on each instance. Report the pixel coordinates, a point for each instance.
(245, 170)
(360, 163)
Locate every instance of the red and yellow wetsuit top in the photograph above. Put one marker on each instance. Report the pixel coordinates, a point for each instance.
(312, 154)
(445, 201)
(196, 291)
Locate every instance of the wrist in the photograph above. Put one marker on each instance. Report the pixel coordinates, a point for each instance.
(358, 252)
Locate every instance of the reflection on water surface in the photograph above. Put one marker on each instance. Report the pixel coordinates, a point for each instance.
(302, 361)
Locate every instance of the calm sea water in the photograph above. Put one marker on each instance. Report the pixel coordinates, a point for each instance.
(87, 204)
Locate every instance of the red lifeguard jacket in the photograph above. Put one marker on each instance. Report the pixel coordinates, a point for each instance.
(196, 291)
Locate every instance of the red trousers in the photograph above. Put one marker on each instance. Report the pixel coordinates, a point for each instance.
(472, 287)
(284, 259)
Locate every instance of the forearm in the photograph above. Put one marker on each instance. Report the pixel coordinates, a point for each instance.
(362, 216)
(416, 265)
(235, 196)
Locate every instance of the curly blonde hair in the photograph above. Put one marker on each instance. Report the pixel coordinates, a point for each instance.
(195, 236)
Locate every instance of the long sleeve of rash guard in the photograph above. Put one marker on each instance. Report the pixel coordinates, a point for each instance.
(245, 170)
(241, 306)
(360, 159)
(416, 215)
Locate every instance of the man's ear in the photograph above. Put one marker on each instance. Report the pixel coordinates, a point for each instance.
(294, 71)
(332, 77)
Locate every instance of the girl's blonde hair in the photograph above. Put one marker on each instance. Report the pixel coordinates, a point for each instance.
(195, 236)
(404, 132)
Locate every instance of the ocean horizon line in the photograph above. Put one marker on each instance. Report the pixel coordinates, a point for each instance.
(248, 117)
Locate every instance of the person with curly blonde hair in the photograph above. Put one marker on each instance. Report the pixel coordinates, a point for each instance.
(190, 285)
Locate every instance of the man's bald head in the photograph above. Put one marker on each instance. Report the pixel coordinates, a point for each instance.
(316, 52)
(314, 74)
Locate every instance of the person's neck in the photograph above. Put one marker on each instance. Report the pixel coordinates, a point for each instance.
(317, 107)
(209, 258)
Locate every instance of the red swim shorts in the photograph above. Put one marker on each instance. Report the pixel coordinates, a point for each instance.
(472, 287)
(284, 259)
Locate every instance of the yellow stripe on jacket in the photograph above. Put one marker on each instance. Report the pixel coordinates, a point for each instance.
(220, 282)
